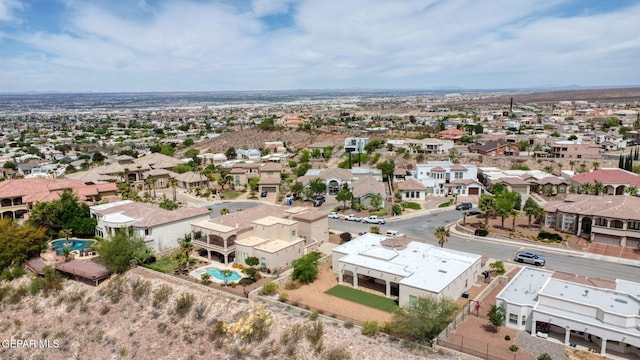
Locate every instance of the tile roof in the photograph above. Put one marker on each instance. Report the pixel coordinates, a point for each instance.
(150, 215)
(608, 176)
(368, 185)
(624, 207)
(36, 189)
(411, 184)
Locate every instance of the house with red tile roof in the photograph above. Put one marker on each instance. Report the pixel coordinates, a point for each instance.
(451, 134)
(411, 189)
(613, 220)
(17, 196)
(161, 229)
(615, 181)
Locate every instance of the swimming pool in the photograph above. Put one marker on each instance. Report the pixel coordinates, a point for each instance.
(215, 272)
(74, 244)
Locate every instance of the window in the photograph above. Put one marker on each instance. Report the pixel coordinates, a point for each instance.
(513, 318)
(412, 299)
(567, 224)
(524, 320)
(147, 232)
(602, 222)
(633, 225)
(617, 224)
(457, 175)
(293, 233)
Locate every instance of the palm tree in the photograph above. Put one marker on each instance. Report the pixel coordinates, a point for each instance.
(174, 184)
(514, 215)
(583, 167)
(66, 233)
(224, 211)
(541, 213)
(186, 247)
(531, 211)
(464, 217)
(572, 164)
(595, 165)
(153, 182)
(586, 188)
(226, 274)
(598, 188)
(632, 190)
(442, 233)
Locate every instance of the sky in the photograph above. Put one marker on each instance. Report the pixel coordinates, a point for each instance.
(236, 45)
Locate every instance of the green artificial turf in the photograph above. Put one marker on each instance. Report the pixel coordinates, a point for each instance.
(364, 298)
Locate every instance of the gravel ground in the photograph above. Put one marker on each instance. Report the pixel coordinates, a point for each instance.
(538, 347)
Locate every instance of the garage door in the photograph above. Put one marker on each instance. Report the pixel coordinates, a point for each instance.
(271, 189)
(606, 239)
(633, 243)
(474, 191)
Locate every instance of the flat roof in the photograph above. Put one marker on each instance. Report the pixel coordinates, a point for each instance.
(524, 288)
(273, 220)
(251, 241)
(608, 300)
(273, 246)
(209, 225)
(422, 265)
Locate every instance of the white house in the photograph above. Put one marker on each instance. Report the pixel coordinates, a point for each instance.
(444, 178)
(353, 144)
(407, 268)
(543, 305)
(161, 229)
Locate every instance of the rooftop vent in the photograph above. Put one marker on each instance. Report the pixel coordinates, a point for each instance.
(443, 271)
(623, 301)
(586, 293)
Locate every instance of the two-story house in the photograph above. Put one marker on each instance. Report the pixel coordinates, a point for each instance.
(444, 178)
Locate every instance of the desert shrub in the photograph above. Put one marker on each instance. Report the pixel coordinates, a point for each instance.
(544, 235)
(217, 331)
(161, 327)
(290, 339)
(481, 232)
(370, 328)
(507, 337)
(12, 273)
(115, 289)
(104, 309)
(246, 281)
(338, 353)
(52, 281)
(305, 268)
(161, 295)
(199, 311)
(5, 291)
(498, 266)
(184, 304)
(252, 328)
(206, 278)
(345, 236)
(283, 297)
(544, 356)
(269, 288)
(348, 324)
(73, 298)
(313, 316)
(314, 333)
(140, 288)
(17, 294)
(292, 285)
(514, 347)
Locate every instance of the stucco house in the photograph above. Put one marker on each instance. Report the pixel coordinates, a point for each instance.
(277, 235)
(444, 177)
(545, 306)
(161, 229)
(407, 269)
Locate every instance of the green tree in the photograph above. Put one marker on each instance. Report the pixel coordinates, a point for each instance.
(19, 242)
(344, 195)
(423, 319)
(305, 268)
(497, 315)
(387, 168)
(545, 356)
(226, 274)
(442, 233)
(296, 188)
(317, 185)
(252, 261)
(121, 251)
(531, 208)
(487, 204)
(231, 153)
(375, 201)
(64, 213)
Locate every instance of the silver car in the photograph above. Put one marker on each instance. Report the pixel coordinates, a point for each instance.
(529, 258)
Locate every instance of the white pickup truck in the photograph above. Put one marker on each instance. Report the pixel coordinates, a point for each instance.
(374, 219)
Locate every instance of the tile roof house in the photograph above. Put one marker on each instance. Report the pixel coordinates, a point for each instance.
(411, 189)
(277, 235)
(613, 220)
(366, 187)
(161, 229)
(614, 181)
(442, 178)
(17, 196)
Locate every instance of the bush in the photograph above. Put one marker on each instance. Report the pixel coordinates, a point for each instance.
(544, 356)
(348, 324)
(13, 273)
(445, 204)
(140, 288)
(161, 295)
(370, 328)
(549, 236)
(313, 316)
(381, 212)
(269, 288)
(283, 297)
(184, 304)
(345, 236)
(51, 282)
(514, 347)
(115, 289)
(411, 205)
(481, 232)
(507, 337)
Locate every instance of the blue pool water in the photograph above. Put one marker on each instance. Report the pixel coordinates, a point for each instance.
(215, 272)
(76, 244)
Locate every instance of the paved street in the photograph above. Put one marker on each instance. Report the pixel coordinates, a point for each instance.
(422, 228)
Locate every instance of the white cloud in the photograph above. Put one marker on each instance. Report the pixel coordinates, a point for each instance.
(332, 43)
(8, 8)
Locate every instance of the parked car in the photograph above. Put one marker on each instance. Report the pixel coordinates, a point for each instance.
(374, 219)
(334, 215)
(464, 206)
(318, 200)
(529, 258)
(352, 217)
(393, 233)
(475, 212)
(263, 193)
